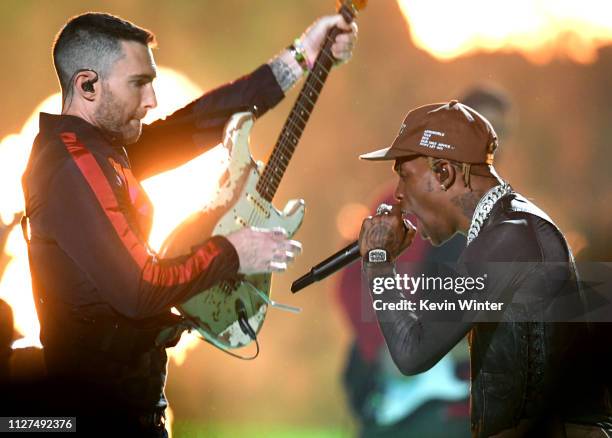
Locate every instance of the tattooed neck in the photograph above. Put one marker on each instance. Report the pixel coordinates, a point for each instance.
(467, 203)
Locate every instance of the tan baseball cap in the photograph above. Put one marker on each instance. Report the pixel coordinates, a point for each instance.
(451, 131)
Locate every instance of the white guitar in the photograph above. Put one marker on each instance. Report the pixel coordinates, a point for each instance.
(230, 314)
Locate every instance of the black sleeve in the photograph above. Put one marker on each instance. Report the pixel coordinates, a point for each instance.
(415, 343)
(91, 227)
(418, 339)
(192, 130)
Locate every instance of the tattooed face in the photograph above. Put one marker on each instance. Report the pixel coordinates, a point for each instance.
(418, 191)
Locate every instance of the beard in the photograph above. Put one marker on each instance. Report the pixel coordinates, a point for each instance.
(112, 119)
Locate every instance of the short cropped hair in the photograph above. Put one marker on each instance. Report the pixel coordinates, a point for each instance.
(93, 41)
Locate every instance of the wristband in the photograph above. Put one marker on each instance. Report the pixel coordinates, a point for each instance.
(299, 54)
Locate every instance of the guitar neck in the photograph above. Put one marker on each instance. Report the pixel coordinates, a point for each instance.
(299, 115)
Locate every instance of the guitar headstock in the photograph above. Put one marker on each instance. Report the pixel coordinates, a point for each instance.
(350, 8)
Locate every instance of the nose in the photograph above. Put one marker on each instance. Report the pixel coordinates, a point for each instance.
(149, 100)
(399, 192)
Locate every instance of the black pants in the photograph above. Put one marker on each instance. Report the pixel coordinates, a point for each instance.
(96, 413)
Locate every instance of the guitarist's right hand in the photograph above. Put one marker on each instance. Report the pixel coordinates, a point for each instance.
(262, 250)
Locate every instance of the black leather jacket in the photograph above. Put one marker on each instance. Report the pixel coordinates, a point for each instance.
(530, 371)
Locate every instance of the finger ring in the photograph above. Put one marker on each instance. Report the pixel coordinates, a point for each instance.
(277, 266)
(383, 209)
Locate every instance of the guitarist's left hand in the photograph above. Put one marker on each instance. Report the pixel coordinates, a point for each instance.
(288, 69)
(342, 49)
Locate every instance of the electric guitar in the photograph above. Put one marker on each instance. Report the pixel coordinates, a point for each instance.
(230, 314)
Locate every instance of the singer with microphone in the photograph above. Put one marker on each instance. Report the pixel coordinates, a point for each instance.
(531, 374)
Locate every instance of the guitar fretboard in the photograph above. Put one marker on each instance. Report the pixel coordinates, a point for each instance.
(298, 117)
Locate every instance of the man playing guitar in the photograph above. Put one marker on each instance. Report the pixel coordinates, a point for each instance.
(102, 294)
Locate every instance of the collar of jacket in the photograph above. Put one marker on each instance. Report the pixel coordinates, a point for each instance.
(50, 124)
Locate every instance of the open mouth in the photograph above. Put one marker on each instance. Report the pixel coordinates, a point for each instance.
(413, 220)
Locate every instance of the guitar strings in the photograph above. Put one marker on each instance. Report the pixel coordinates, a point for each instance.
(291, 121)
(286, 133)
(272, 179)
(284, 150)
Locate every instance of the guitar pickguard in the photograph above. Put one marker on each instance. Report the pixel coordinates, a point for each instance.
(237, 204)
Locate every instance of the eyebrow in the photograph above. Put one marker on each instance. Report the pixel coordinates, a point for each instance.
(144, 76)
(398, 162)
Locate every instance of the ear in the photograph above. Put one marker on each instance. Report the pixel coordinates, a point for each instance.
(85, 84)
(445, 174)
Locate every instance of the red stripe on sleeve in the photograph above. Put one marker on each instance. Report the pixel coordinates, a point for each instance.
(152, 271)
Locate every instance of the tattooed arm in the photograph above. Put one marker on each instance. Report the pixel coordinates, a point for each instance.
(415, 343)
(418, 337)
(288, 70)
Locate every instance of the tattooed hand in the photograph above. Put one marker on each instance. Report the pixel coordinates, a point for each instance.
(387, 231)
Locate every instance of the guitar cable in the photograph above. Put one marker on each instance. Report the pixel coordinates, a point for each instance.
(244, 326)
(243, 320)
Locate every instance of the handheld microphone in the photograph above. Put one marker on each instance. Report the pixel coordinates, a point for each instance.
(337, 261)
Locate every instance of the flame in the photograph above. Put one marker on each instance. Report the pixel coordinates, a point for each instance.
(539, 29)
(15, 284)
(174, 91)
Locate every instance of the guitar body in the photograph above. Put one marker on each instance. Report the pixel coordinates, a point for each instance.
(244, 199)
(237, 204)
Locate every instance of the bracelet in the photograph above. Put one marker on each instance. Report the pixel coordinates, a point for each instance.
(299, 54)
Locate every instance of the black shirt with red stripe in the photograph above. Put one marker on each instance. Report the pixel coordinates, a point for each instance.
(90, 219)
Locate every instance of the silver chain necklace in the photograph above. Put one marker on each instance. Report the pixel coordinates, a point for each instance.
(484, 207)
